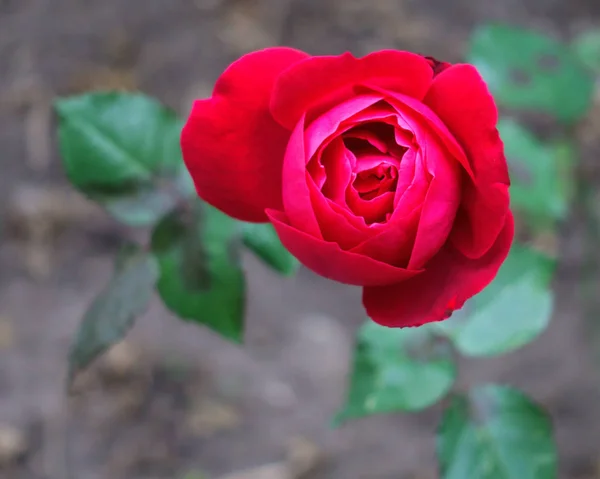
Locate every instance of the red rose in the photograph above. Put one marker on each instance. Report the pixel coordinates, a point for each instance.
(385, 171)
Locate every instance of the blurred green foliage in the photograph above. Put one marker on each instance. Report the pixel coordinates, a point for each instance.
(122, 151)
(397, 370)
(495, 432)
(531, 71)
(201, 278)
(587, 48)
(114, 311)
(541, 175)
(512, 311)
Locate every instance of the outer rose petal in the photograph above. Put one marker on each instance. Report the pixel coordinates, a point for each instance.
(326, 81)
(460, 97)
(295, 191)
(330, 261)
(231, 145)
(448, 281)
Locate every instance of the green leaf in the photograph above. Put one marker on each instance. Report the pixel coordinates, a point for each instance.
(496, 432)
(264, 242)
(527, 70)
(114, 311)
(514, 309)
(397, 370)
(122, 150)
(541, 178)
(587, 47)
(200, 276)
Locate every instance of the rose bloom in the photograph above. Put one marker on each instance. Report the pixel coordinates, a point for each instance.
(385, 171)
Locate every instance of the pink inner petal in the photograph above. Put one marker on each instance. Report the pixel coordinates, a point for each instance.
(358, 222)
(393, 242)
(372, 168)
(374, 138)
(338, 162)
(316, 169)
(374, 210)
(329, 123)
(404, 137)
(367, 161)
(413, 194)
(406, 174)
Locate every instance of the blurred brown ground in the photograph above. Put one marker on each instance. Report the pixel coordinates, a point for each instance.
(176, 397)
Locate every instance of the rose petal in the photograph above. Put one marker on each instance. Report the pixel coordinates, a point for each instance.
(406, 174)
(394, 242)
(328, 124)
(383, 112)
(338, 161)
(317, 83)
(370, 158)
(417, 111)
(448, 281)
(295, 191)
(460, 97)
(316, 170)
(330, 219)
(330, 261)
(413, 195)
(374, 138)
(403, 138)
(437, 216)
(443, 195)
(374, 210)
(231, 145)
(380, 111)
(337, 223)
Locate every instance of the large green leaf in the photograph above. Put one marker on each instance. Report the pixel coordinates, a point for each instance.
(114, 311)
(122, 150)
(514, 309)
(496, 432)
(528, 70)
(541, 178)
(587, 48)
(262, 239)
(201, 279)
(397, 370)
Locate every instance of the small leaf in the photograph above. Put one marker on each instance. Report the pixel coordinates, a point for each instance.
(587, 47)
(496, 432)
(514, 309)
(264, 242)
(528, 70)
(541, 178)
(122, 150)
(397, 370)
(200, 276)
(114, 311)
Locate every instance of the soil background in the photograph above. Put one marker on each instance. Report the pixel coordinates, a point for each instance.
(174, 397)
